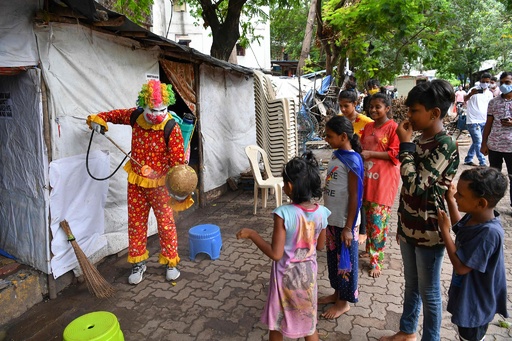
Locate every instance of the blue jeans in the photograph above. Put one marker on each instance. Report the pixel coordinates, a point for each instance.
(422, 272)
(475, 130)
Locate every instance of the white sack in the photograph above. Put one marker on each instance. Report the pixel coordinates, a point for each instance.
(80, 200)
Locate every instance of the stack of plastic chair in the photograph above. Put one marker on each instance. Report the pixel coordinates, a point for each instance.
(276, 125)
(260, 107)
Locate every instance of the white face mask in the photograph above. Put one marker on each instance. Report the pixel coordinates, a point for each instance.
(484, 85)
(155, 115)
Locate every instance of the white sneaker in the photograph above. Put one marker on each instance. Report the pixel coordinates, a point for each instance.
(172, 274)
(138, 270)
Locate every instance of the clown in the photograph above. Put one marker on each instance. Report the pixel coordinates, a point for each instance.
(146, 189)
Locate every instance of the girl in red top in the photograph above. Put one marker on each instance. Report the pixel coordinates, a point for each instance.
(381, 179)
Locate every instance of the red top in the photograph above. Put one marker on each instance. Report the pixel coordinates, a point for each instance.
(381, 177)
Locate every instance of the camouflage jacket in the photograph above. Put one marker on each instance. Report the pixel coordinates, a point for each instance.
(427, 170)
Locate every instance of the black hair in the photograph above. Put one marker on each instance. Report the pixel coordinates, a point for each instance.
(485, 75)
(434, 94)
(350, 95)
(487, 183)
(350, 85)
(494, 78)
(304, 175)
(340, 125)
(504, 74)
(372, 83)
(386, 99)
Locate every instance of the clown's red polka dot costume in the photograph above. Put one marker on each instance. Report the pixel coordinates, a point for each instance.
(144, 192)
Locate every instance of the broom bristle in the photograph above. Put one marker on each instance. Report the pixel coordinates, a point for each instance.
(96, 284)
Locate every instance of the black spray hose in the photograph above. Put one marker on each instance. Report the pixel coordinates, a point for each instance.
(87, 162)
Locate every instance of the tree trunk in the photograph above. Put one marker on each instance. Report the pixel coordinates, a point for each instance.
(325, 36)
(306, 43)
(226, 34)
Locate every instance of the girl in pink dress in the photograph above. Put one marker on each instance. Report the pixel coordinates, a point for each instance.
(381, 179)
(299, 231)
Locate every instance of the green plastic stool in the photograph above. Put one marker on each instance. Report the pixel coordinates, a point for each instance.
(97, 326)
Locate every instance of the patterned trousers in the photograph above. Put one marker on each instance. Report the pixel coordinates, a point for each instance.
(377, 218)
(140, 201)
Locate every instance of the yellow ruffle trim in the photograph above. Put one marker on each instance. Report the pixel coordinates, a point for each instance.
(141, 181)
(145, 125)
(138, 259)
(178, 206)
(97, 119)
(167, 261)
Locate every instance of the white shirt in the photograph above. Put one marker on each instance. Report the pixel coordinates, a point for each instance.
(336, 193)
(477, 107)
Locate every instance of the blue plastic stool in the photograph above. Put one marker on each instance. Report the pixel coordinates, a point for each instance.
(96, 326)
(205, 238)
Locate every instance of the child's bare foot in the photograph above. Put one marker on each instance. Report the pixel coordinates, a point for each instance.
(400, 336)
(339, 308)
(328, 299)
(374, 273)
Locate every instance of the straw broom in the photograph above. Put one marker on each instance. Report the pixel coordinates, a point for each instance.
(96, 284)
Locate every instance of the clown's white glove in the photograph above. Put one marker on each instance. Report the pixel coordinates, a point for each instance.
(97, 128)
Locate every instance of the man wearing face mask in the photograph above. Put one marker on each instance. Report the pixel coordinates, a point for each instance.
(497, 137)
(495, 89)
(477, 100)
(151, 148)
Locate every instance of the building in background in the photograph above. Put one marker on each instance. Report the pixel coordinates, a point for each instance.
(404, 83)
(174, 21)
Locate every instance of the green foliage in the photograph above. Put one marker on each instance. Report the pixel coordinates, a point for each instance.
(505, 46)
(469, 42)
(386, 38)
(310, 66)
(287, 29)
(137, 10)
(450, 77)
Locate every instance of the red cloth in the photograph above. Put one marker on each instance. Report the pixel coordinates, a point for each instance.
(381, 177)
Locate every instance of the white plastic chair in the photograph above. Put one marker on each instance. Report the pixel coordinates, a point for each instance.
(272, 182)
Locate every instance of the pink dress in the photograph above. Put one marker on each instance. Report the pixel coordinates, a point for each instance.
(291, 306)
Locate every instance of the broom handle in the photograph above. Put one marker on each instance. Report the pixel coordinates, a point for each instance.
(65, 226)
